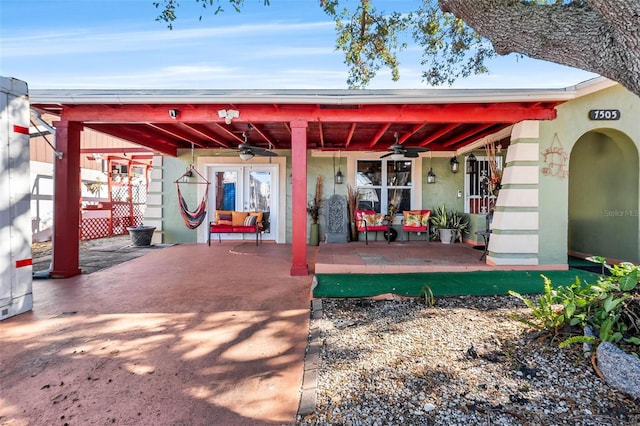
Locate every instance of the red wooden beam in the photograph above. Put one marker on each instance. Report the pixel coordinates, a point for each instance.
(439, 113)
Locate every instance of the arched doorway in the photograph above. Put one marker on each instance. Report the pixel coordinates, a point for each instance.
(603, 196)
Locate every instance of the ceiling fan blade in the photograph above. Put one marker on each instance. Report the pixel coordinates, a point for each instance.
(411, 154)
(266, 153)
(387, 154)
(416, 149)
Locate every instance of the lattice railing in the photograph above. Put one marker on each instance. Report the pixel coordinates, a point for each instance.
(122, 214)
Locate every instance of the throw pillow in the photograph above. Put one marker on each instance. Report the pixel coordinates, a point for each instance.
(413, 220)
(238, 218)
(258, 216)
(224, 219)
(250, 220)
(379, 219)
(425, 218)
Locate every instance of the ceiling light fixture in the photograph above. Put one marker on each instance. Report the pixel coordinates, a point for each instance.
(246, 155)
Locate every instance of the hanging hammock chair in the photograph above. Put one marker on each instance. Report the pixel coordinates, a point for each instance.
(192, 219)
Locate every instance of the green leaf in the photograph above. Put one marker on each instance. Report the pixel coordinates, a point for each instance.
(633, 340)
(570, 309)
(629, 282)
(605, 330)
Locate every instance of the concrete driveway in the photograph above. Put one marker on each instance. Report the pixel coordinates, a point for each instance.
(185, 335)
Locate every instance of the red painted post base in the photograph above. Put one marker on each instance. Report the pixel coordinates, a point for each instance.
(65, 274)
(299, 270)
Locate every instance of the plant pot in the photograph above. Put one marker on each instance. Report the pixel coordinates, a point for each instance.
(141, 235)
(447, 235)
(314, 235)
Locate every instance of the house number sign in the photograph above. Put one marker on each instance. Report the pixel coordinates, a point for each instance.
(604, 114)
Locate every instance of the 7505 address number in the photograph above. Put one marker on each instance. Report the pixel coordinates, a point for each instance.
(604, 114)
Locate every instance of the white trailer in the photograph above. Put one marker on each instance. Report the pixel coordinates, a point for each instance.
(16, 270)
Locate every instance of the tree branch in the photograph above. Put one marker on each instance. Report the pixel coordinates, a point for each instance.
(600, 36)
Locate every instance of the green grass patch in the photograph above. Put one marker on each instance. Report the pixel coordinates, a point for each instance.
(478, 283)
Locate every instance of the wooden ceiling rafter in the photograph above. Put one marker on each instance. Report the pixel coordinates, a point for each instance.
(438, 134)
(469, 134)
(194, 127)
(379, 134)
(349, 137)
(321, 135)
(262, 134)
(144, 140)
(230, 133)
(180, 136)
(406, 135)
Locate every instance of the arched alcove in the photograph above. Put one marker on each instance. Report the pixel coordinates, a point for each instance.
(603, 196)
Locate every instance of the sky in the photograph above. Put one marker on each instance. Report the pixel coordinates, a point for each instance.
(118, 44)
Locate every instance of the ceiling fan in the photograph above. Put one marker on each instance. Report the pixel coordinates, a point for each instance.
(247, 152)
(397, 151)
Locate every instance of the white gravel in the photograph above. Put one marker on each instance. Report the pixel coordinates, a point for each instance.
(462, 362)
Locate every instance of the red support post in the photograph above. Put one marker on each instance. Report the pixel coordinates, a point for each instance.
(299, 198)
(66, 209)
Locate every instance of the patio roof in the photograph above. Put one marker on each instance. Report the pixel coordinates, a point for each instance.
(445, 120)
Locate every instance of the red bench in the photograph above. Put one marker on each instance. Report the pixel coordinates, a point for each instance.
(231, 222)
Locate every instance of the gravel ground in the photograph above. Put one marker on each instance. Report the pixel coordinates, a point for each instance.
(464, 361)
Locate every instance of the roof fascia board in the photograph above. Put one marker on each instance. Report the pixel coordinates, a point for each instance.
(338, 97)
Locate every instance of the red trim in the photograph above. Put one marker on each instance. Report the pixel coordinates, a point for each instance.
(20, 129)
(24, 262)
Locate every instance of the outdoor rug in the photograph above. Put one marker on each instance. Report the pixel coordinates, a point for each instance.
(479, 283)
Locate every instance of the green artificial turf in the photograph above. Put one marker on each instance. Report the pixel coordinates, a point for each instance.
(479, 283)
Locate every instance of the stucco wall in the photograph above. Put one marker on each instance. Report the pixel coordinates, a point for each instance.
(595, 174)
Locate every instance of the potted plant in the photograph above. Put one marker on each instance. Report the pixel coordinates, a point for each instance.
(448, 225)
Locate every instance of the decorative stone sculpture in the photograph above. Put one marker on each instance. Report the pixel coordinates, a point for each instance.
(337, 219)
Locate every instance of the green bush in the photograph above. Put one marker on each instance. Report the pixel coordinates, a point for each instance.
(611, 307)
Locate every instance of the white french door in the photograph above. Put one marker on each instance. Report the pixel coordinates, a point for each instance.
(245, 188)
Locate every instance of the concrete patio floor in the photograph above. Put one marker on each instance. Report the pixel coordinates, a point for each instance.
(185, 335)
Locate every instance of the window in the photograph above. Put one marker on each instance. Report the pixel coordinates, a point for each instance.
(478, 199)
(380, 182)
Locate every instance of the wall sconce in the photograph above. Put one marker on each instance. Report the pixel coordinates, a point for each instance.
(455, 165)
(431, 177)
(471, 164)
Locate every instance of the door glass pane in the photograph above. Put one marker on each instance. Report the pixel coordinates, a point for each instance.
(260, 191)
(226, 183)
